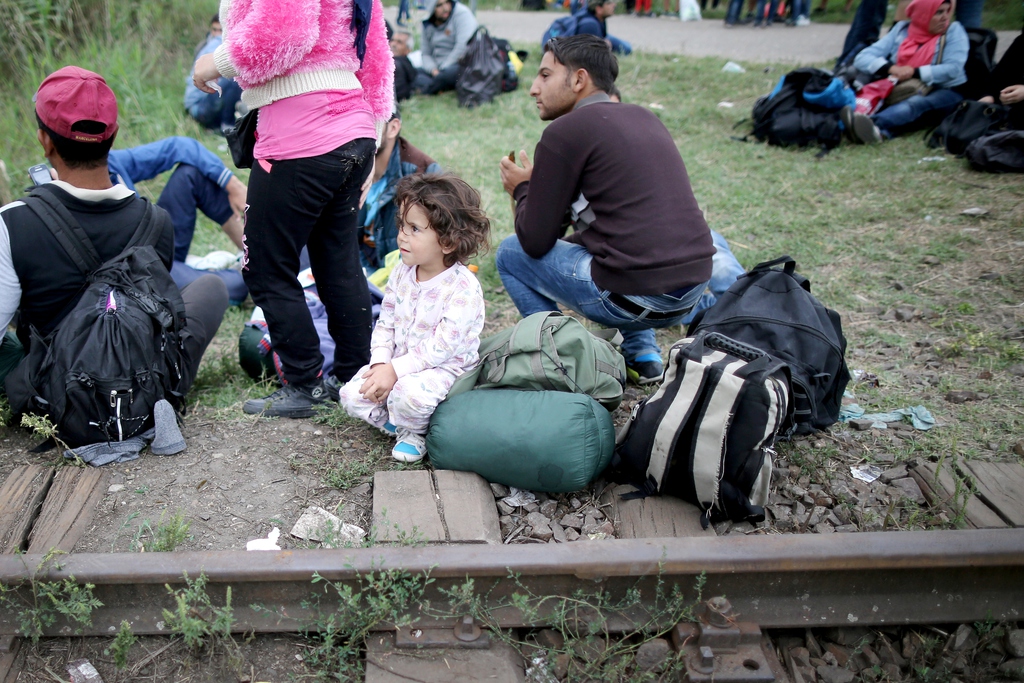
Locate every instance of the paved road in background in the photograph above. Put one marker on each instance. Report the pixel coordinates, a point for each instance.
(796, 45)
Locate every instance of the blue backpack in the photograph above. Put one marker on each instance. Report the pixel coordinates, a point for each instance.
(562, 26)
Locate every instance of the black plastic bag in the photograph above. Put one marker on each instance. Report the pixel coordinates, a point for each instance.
(998, 153)
(481, 71)
(242, 139)
(968, 122)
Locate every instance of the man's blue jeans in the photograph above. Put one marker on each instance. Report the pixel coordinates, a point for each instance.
(732, 15)
(867, 23)
(562, 276)
(186, 191)
(217, 111)
(900, 117)
(725, 269)
(620, 46)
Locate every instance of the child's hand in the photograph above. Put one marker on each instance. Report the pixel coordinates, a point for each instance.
(380, 380)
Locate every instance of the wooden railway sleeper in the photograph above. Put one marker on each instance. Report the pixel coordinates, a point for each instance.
(720, 648)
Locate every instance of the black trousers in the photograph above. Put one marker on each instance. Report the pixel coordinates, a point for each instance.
(311, 201)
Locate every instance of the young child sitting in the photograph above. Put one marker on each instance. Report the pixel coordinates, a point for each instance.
(429, 328)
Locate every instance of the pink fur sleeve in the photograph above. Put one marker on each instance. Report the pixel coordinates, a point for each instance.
(271, 36)
(378, 72)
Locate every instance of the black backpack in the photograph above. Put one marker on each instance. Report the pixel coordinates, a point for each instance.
(481, 69)
(774, 310)
(509, 78)
(784, 118)
(706, 435)
(968, 122)
(117, 351)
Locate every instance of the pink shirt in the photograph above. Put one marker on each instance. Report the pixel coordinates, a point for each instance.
(312, 124)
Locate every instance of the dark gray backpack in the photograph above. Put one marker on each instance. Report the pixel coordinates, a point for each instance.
(117, 351)
(773, 310)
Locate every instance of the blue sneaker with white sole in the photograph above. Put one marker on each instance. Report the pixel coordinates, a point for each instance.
(410, 447)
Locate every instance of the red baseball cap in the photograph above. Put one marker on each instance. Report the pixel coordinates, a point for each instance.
(72, 94)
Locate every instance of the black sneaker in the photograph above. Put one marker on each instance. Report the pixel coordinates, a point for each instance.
(846, 116)
(333, 386)
(289, 401)
(645, 372)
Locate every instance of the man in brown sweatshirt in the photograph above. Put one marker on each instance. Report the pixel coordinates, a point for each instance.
(639, 255)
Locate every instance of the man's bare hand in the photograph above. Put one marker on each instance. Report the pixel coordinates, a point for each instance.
(513, 175)
(380, 380)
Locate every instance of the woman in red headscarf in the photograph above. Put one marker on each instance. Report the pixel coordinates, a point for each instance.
(928, 48)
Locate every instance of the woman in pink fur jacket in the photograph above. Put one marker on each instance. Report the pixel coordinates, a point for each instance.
(320, 74)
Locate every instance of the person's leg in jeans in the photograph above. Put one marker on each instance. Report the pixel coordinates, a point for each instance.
(732, 14)
(725, 269)
(186, 191)
(444, 80)
(867, 23)
(185, 275)
(900, 117)
(291, 200)
(562, 276)
(205, 301)
(620, 46)
(968, 12)
(230, 96)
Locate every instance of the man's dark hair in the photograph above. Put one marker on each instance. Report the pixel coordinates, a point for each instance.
(75, 154)
(588, 52)
(216, 19)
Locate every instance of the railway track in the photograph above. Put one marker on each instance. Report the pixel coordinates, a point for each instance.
(774, 581)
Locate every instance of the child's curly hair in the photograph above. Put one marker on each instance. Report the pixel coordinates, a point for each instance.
(453, 209)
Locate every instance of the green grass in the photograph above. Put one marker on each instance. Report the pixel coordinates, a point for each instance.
(860, 222)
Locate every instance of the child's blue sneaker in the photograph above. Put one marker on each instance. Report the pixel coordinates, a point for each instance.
(410, 447)
(388, 429)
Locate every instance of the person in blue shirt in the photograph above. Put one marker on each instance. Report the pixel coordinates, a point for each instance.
(200, 181)
(215, 111)
(593, 21)
(928, 47)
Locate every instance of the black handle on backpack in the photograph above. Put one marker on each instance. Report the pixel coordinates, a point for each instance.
(789, 269)
(719, 341)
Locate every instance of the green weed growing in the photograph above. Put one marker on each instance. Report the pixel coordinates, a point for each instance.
(48, 601)
(195, 618)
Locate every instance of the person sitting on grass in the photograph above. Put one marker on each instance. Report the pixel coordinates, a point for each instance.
(594, 22)
(76, 113)
(428, 333)
(928, 48)
(446, 34)
(640, 254)
(395, 159)
(1006, 84)
(213, 110)
(200, 181)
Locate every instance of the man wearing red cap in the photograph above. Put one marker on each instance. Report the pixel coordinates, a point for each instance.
(77, 116)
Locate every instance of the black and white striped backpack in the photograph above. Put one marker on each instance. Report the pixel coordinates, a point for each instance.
(706, 435)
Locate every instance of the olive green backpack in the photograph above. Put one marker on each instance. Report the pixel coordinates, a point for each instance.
(553, 352)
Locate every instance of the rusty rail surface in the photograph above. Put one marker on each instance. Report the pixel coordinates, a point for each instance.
(774, 581)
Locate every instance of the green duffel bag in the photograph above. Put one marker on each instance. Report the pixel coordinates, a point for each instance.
(550, 441)
(548, 351)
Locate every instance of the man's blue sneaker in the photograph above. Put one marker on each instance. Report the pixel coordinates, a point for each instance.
(644, 371)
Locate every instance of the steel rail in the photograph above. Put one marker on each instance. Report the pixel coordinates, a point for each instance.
(774, 581)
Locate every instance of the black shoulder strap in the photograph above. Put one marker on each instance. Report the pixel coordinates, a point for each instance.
(148, 232)
(66, 229)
